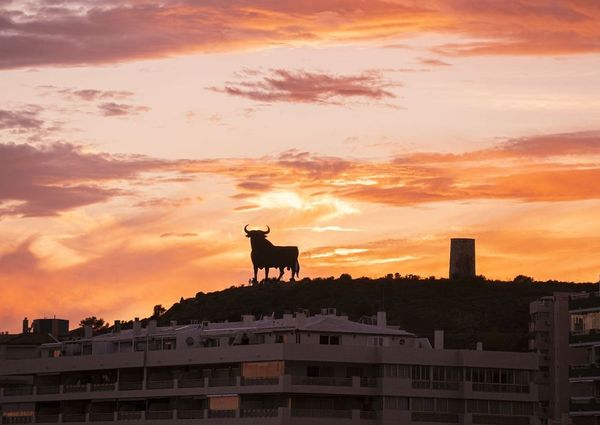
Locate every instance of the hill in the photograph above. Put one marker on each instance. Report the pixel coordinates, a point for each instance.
(494, 312)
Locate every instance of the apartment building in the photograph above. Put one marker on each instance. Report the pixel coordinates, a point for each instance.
(296, 369)
(584, 374)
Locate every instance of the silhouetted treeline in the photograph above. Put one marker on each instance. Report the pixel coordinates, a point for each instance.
(494, 312)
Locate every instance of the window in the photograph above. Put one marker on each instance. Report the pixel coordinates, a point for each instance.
(329, 340)
(396, 371)
(420, 373)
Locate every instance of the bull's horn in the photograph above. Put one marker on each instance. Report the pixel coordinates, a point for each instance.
(268, 230)
(246, 229)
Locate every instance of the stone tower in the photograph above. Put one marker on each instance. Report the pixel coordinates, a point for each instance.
(462, 258)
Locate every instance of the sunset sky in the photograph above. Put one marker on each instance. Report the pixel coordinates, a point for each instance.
(137, 138)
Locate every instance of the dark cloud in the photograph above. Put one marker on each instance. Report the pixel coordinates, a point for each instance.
(112, 109)
(433, 62)
(280, 85)
(85, 32)
(24, 119)
(88, 95)
(42, 181)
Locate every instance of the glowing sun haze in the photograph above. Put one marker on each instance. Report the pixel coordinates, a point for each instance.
(137, 138)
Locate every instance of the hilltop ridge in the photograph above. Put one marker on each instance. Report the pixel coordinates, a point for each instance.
(494, 312)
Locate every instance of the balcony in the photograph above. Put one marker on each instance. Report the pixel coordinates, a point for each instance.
(74, 391)
(585, 302)
(583, 407)
(585, 371)
(246, 416)
(584, 338)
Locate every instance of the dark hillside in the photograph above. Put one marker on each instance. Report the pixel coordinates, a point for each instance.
(493, 312)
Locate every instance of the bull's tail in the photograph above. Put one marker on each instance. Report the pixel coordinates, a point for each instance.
(297, 269)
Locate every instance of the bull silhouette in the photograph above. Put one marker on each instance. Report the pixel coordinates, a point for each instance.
(265, 255)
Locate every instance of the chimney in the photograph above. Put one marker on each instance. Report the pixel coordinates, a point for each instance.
(288, 319)
(88, 332)
(247, 319)
(117, 327)
(381, 319)
(151, 326)
(137, 326)
(25, 325)
(438, 339)
(479, 346)
(300, 319)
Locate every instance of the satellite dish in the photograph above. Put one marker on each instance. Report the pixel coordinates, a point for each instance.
(189, 341)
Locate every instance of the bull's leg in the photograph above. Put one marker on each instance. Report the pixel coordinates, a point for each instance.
(255, 280)
(281, 271)
(266, 274)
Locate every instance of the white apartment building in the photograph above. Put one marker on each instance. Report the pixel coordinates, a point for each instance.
(297, 369)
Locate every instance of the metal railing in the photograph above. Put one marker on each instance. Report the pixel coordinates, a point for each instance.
(158, 385)
(500, 388)
(47, 389)
(258, 413)
(159, 414)
(222, 413)
(321, 413)
(102, 416)
(190, 382)
(73, 417)
(109, 386)
(130, 385)
(321, 380)
(47, 419)
(274, 380)
(190, 414)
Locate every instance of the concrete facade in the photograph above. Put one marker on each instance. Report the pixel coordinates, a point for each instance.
(298, 369)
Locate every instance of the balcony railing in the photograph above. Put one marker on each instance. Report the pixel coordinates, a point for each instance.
(48, 389)
(258, 413)
(592, 405)
(222, 413)
(134, 415)
(190, 382)
(110, 386)
(130, 386)
(74, 388)
(159, 385)
(260, 381)
(321, 413)
(584, 371)
(102, 416)
(434, 417)
(17, 391)
(222, 382)
(190, 414)
(321, 380)
(73, 417)
(500, 388)
(582, 338)
(159, 414)
(47, 419)
(584, 302)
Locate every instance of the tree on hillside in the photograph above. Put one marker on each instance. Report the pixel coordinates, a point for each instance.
(158, 311)
(523, 279)
(97, 324)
